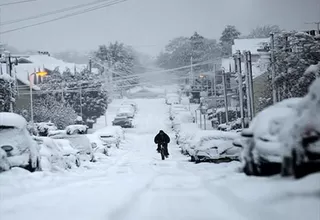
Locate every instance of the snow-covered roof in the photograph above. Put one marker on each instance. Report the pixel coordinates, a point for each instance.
(249, 44)
(40, 62)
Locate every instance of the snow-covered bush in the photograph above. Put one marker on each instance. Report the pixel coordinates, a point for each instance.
(48, 108)
(294, 53)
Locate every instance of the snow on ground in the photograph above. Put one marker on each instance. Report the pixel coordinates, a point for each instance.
(135, 184)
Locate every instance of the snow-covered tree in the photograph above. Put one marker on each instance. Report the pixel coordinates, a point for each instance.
(227, 39)
(7, 92)
(121, 60)
(47, 108)
(68, 88)
(294, 52)
(180, 50)
(263, 31)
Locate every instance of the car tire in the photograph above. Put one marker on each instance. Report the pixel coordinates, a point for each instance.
(297, 167)
(286, 166)
(193, 159)
(249, 168)
(78, 162)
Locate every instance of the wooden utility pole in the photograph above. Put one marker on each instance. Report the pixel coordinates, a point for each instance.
(251, 85)
(273, 70)
(238, 68)
(225, 94)
(246, 73)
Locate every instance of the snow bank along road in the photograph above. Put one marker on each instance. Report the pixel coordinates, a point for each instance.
(135, 184)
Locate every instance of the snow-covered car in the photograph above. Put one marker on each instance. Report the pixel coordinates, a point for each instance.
(57, 132)
(184, 136)
(80, 142)
(176, 109)
(301, 137)
(173, 98)
(98, 145)
(130, 103)
(57, 154)
(262, 149)
(126, 111)
(17, 148)
(76, 129)
(182, 118)
(45, 127)
(122, 121)
(216, 147)
(111, 135)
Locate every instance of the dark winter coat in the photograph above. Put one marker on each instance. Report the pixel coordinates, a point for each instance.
(161, 137)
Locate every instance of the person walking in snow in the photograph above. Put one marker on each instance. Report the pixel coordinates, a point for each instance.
(164, 139)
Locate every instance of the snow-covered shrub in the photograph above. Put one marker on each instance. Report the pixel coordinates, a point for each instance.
(294, 53)
(48, 108)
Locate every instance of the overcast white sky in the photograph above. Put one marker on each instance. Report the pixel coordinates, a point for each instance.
(149, 24)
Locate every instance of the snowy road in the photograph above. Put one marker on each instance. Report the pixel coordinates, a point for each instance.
(135, 184)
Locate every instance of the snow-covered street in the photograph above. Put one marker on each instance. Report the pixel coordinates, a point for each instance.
(135, 184)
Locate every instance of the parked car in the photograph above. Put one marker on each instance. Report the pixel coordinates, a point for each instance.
(17, 148)
(80, 142)
(126, 111)
(111, 135)
(122, 121)
(44, 128)
(175, 109)
(301, 137)
(262, 149)
(98, 145)
(182, 118)
(216, 147)
(130, 103)
(57, 132)
(76, 129)
(54, 154)
(172, 98)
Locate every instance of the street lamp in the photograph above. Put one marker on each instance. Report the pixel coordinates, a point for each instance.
(41, 74)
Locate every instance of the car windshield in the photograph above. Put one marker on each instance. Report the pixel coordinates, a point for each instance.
(159, 109)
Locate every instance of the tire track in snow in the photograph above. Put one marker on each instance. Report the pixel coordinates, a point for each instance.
(249, 210)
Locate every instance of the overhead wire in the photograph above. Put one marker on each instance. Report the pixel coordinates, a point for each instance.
(66, 16)
(50, 13)
(17, 2)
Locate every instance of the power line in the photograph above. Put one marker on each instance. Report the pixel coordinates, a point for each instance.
(66, 16)
(45, 14)
(14, 3)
